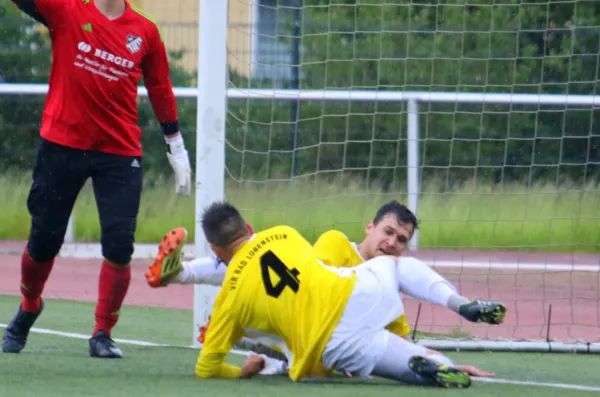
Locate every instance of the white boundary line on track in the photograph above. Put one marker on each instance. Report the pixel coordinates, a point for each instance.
(73, 335)
(148, 251)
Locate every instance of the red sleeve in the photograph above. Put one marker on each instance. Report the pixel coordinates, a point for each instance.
(47, 12)
(155, 67)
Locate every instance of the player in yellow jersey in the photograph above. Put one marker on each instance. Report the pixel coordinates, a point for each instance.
(388, 233)
(328, 318)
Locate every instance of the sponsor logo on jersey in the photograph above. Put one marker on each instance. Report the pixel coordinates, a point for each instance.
(105, 55)
(84, 47)
(102, 63)
(134, 43)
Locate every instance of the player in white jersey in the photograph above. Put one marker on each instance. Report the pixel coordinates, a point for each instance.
(387, 234)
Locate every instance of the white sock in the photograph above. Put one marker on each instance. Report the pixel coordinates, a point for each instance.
(456, 301)
(443, 293)
(208, 270)
(184, 276)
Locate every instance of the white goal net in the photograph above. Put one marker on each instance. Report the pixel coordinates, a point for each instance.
(481, 116)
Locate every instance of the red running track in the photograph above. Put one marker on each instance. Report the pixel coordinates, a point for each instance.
(574, 295)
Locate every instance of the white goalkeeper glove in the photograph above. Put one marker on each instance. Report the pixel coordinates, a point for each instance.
(180, 162)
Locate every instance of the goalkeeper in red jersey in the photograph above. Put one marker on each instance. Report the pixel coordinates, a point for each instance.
(100, 51)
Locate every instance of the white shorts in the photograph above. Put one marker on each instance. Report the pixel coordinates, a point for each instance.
(360, 339)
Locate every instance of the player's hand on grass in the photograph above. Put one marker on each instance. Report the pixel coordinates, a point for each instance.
(273, 366)
(253, 365)
(473, 371)
(180, 162)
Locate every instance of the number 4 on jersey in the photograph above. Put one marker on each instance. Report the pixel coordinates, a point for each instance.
(287, 277)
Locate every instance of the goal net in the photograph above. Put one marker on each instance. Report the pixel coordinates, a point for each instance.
(480, 116)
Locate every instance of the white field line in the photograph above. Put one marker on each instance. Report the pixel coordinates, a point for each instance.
(243, 353)
(541, 384)
(148, 251)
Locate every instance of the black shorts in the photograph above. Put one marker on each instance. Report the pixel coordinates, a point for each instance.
(59, 175)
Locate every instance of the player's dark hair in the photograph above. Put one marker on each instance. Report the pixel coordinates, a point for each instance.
(222, 224)
(400, 211)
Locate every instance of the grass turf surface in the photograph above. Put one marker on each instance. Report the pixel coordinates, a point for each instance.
(60, 366)
(540, 218)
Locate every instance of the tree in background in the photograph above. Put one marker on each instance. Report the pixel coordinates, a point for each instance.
(508, 47)
(24, 58)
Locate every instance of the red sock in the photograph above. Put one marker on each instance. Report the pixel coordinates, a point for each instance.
(33, 279)
(112, 288)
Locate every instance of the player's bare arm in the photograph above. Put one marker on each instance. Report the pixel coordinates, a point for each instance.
(253, 365)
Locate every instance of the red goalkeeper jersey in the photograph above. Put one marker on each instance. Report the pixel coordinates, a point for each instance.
(96, 66)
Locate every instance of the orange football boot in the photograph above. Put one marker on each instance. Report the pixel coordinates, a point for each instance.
(167, 263)
(202, 331)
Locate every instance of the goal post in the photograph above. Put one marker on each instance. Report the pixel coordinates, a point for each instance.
(210, 134)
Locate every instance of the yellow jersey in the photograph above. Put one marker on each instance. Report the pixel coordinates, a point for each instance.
(276, 286)
(335, 249)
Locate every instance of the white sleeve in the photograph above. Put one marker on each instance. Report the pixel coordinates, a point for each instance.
(420, 281)
(208, 270)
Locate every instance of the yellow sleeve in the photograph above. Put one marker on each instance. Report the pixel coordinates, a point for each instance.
(332, 249)
(219, 339)
(212, 366)
(399, 326)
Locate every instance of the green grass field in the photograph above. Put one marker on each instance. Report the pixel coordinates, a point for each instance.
(542, 218)
(59, 366)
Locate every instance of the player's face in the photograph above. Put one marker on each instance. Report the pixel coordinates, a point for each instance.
(388, 237)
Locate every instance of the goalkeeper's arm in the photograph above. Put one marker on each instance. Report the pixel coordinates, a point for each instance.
(155, 67)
